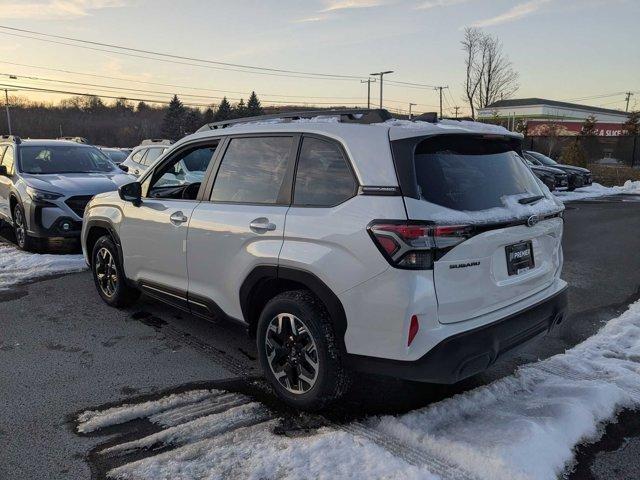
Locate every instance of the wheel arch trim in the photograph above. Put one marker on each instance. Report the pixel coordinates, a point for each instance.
(263, 273)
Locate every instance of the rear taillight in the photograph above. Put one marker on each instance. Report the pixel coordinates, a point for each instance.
(415, 245)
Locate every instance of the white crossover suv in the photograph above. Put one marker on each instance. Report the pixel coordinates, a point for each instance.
(344, 241)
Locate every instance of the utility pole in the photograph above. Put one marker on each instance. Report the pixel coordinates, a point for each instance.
(456, 110)
(381, 74)
(628, 98)
(368, 82)
(440, 89)
(411, 105)
(6, 106)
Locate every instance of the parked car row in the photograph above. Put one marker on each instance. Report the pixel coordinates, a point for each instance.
(550, 172)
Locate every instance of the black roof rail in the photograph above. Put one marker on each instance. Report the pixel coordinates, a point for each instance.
(362, 116)
(11, 138)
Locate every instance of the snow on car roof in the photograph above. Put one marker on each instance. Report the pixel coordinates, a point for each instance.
(397, 128)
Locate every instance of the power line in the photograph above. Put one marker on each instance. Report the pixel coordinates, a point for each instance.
(115, 89)
(145, 82)
(174, 62)
(85, 94)
(181, 57)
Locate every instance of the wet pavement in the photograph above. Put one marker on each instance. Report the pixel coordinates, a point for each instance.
(62, 351)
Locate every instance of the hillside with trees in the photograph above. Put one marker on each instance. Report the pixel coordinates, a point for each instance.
(120, 123)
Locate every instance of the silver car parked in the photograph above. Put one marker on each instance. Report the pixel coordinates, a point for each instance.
(145, 155)
(45, 185)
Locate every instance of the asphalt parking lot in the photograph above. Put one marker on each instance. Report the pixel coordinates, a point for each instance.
(62, 351)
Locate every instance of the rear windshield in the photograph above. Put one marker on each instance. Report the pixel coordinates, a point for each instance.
(471, 173)
(117, 156)
(63, 159)
(543, 159)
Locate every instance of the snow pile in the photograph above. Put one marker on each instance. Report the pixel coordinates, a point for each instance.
(17, 266)
(597, 190)
(524, 426)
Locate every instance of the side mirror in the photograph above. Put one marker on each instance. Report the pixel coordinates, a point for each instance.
(122, 167)
(131, 192)
(3, 171)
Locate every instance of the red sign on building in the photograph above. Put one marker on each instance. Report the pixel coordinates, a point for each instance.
(543, 128)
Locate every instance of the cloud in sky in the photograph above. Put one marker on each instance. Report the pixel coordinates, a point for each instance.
(334, 5)
(515, 13)
(439, 3)
(55, 9)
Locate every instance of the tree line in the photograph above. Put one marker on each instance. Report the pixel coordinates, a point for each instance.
(119, 123)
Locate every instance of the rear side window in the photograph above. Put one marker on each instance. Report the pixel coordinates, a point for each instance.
(137, 157)
(253, 170)
(323, 177)
(2, 149)
(152, 155)
(470, 173)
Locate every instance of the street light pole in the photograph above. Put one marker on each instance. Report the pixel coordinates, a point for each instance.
(368, 82)
(411, 105)
(381, 74)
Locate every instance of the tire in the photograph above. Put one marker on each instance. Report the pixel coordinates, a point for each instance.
(315, 341)
(108, 275)
(20, 228)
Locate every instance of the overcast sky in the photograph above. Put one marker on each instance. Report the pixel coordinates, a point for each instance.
(563, 49)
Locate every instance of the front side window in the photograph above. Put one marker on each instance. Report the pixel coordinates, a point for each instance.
(137, 157)
(253, 170)
(174, 180)
(471, 174)
(323, 177)
(64, 159)
(2, 149)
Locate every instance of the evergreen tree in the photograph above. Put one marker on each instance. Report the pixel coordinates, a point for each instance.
(589, 127)
(240, 110)
(632, 126)
(173, 123)
(224, 111)
(208, 116)
(253, 106)
(192, 121)
(142, 107)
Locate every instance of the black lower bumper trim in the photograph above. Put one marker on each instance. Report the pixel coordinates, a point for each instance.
(56, 230)
(468, 353)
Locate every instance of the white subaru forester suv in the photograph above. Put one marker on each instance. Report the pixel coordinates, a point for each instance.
(344, 241)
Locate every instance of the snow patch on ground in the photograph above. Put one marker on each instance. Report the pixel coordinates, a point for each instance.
(92, 420)
(597, 190)
(17, 266)
(524, 426)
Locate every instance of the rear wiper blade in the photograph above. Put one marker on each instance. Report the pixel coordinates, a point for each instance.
(528, 200)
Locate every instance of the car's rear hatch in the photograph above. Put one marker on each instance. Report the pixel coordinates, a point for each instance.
(508, 246)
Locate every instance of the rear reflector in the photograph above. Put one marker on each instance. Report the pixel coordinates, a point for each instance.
(414, 326)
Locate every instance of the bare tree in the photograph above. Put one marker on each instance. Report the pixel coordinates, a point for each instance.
(489, 72)
(471, 45)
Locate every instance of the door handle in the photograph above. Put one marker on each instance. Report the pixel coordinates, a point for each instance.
(178, 218)
(262, 225)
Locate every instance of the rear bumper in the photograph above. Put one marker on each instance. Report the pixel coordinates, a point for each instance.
(468, 353)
